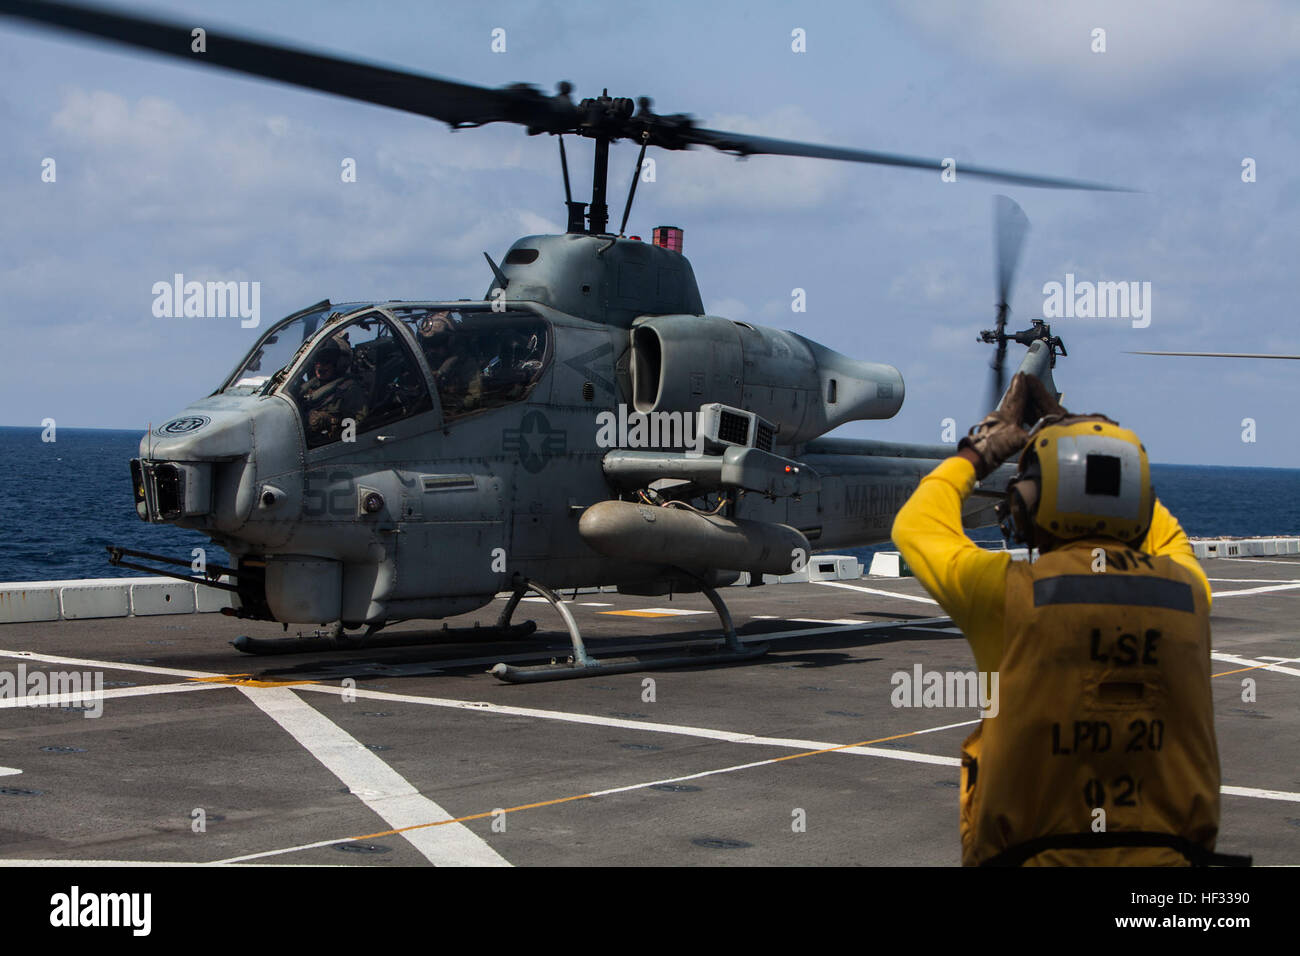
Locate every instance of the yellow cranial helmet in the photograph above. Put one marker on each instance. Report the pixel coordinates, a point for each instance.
(1093, 480)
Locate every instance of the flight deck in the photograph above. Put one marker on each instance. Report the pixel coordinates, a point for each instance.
(416, 755)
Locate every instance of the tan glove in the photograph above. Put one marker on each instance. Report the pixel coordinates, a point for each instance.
(1001, 435)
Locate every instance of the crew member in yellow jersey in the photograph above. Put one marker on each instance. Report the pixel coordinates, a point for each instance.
(1102, 750)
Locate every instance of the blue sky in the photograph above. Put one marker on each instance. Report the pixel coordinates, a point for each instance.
(165, 168)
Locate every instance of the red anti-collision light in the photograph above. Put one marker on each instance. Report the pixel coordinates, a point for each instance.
(668, 237)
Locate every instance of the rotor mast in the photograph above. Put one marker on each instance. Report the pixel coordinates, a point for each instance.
(604, 119)
(598, 216)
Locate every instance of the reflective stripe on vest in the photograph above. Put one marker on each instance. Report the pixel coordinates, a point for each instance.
(1105, 723)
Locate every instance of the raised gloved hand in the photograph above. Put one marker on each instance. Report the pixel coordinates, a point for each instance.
(1040, 403)
(1002, 434)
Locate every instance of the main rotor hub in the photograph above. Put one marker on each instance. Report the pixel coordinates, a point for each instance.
(604, 115)
(1039, 330)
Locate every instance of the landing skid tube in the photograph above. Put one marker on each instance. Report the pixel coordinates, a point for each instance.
(581, 664)
(312, 645)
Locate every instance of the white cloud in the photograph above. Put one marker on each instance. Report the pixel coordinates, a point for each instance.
(730, 308)
(933, 282)
(107, 119)
(531, 224)
(1151, 46)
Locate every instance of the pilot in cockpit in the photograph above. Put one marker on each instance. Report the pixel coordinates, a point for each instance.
(332, 395)
(452, 359)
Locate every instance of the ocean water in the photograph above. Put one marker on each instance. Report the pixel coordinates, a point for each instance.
(64, 502)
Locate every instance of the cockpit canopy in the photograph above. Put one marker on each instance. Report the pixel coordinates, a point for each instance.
(479, 359)
(360, 376)
(276, 349)
(360, 371)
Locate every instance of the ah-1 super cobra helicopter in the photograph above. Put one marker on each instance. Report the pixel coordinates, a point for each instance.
(374, 462)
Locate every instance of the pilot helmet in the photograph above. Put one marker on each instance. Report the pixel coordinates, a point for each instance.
(332, 350)
(435, 328)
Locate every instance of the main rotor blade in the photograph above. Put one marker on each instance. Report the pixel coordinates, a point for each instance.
(459, 104)
(745, 145)
(1262, 355)
(1010, 224)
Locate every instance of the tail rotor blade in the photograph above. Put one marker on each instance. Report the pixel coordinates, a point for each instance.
(1010, 224)
(999, 371)
(1009, 227)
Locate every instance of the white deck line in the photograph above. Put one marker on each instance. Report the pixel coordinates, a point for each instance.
(1276, 587)
(725, 736)
(1248, 662)
(379, 786)
(80, 697)
(109, 665)
(867, 590)
(1255, 580)
(948, 761)
(1262, 794)
(837, 629)
(1260, 561)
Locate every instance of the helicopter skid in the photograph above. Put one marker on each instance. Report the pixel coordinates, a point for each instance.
(592, 667)
(312, 645)
(580, 664)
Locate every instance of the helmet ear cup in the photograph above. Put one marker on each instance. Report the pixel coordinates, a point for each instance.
(1011, 516)
(1016, 511)
(1022, 497)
